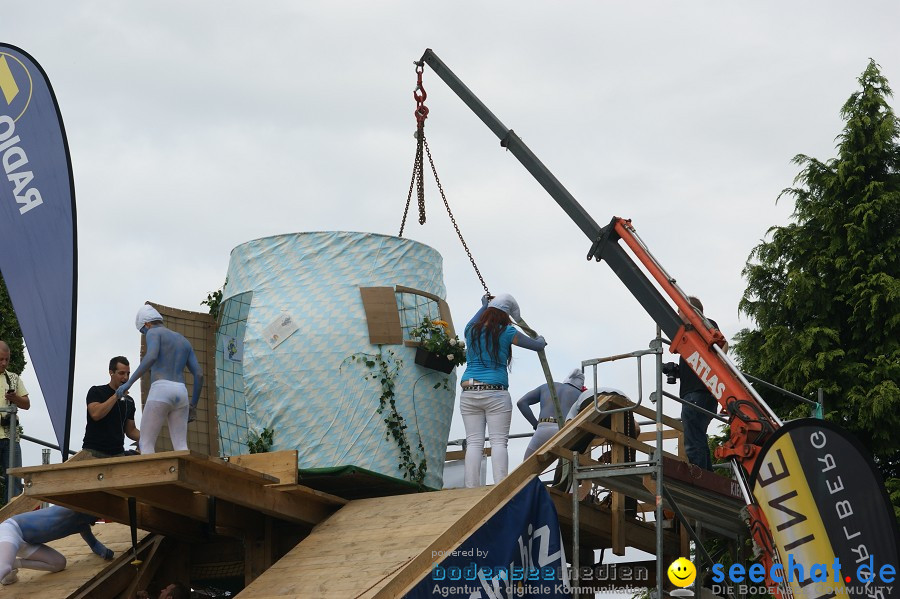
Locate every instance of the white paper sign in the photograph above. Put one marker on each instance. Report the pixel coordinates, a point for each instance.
(280, 329)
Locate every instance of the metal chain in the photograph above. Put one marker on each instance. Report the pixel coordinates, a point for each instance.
(417, 170)
(421, 113)
(452, 219)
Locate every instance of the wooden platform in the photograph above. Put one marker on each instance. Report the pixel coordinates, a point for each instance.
(178, 493)
(293, 541)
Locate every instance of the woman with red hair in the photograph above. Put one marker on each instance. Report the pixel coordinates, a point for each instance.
(485, 399)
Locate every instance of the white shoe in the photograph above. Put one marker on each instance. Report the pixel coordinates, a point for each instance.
(11, 578)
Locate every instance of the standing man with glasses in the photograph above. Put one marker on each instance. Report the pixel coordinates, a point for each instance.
(14, 395)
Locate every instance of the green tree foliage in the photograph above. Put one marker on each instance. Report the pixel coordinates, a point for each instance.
(824, 291)
(10, 331)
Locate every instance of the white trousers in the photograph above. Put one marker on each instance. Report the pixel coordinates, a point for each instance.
(168, 402)
(493, 409)
(542, 434)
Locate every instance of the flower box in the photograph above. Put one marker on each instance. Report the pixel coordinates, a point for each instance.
(434, 361)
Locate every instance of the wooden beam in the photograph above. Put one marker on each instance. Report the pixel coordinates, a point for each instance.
(250, 494)
(666, 434)
(621, 439)
(98, 475)
(460, 454)
(279, 464)
(304, 492)
(116, 577)
(257, 548)
(192, 504)
(115, 509)
(674, 423)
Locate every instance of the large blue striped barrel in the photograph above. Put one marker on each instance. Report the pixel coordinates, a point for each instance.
(292, 317)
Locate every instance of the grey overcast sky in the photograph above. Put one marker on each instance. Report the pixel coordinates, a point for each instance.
(197, 126)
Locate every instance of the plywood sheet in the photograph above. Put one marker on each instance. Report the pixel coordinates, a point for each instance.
(359, 549)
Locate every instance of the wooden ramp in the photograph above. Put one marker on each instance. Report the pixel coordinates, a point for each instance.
(369, 544)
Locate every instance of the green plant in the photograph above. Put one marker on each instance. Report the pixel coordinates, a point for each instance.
(434, 337)
(214, 301)
(384, 370)
(262, 442)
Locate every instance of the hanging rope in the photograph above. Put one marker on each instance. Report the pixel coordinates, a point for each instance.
(417, 181)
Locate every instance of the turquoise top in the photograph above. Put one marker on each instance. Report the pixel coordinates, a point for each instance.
(481, 366)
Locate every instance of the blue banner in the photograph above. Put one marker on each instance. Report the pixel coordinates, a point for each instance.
(517, 553)
(38, 256)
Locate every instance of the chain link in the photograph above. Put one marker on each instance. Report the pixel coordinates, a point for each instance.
(416, 178)
(417, 181)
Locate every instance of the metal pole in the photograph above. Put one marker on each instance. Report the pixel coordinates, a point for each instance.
(13, 425)
(545, 366)
(576, 540)
(659, 466)
(821, 406)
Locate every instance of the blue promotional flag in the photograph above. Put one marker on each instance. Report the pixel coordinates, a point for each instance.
(38, 255)
(518, 552)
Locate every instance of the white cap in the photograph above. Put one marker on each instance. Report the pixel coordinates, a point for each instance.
(146, 314)
(576, 378)
(508, 304)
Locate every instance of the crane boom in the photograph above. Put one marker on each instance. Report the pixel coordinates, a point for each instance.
(751, 421)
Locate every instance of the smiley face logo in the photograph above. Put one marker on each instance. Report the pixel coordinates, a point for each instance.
(682, 572)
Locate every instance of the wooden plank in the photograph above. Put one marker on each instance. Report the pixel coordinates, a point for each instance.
(650, 413)
(89, 475)
(460, 454)
(279, 464)
(666, 434)
(302, 491)
(250, 494)
(382, 315)
(621, 439)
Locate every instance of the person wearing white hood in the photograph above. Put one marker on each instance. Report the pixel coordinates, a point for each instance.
(485, 398)
(547, 426)
(167, 355)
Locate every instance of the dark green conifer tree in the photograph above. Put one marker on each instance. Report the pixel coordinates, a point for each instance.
(824, 290)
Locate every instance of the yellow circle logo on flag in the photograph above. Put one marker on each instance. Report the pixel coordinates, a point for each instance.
(682, 572)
